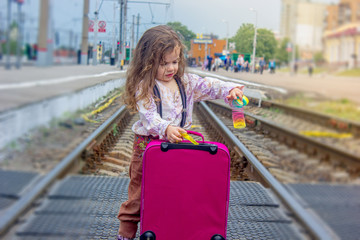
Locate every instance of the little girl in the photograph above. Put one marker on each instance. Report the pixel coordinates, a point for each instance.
(159, 61)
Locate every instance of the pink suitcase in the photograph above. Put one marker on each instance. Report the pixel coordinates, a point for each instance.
(185, 190)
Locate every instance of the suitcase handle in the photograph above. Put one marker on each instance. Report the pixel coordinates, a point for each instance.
(211, 148)
(196, 133)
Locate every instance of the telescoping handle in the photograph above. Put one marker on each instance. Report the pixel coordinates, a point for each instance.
(196, 133)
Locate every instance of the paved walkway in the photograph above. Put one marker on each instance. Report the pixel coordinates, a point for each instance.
(326, 85)
(31, 84)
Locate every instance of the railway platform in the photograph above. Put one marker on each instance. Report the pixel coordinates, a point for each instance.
(33, 84)
(85, 207)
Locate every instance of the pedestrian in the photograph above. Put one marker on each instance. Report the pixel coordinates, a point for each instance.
(158, 60)
(295, 68)
(310, 69)
(227, 62)
(272, 66)
(217, 63)
(209, 63)
(262, 65)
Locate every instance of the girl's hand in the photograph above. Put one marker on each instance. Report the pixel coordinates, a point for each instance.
(173, 133)
(235, 93)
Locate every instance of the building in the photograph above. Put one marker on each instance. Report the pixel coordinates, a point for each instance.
(302, 21)
(342, 34)
(202, 47)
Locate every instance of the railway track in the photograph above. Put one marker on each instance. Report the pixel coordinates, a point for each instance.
(274, 135)
(107, 151)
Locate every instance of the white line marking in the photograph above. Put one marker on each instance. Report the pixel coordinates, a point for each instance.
(53, 81)
(281, 90)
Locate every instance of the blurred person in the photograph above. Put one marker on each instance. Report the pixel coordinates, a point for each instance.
(209, 63)
(272, 66)
(262, 65)
(217, 63)
(227, 62)
(257, 67)
(238, 64)
(295, 68)
(246, 66)
(205, 64)
(310, 69)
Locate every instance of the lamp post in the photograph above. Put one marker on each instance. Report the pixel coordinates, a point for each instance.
(227, 34)
(254, 43)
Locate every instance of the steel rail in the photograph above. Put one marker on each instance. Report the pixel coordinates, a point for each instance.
(349, 158)
(344, 155)
(315, 228)
(11, 214)
(325, 119)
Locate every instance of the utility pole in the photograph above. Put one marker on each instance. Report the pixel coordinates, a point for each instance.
(94, 60)
(294, 19)
(112, 59)
(137, 28)
(7, 65)
(121, 37)
(124, 36)
(19, 36)
(85, 34)
(254, 43)
(43, 33)
(71, 34)
(132, 37)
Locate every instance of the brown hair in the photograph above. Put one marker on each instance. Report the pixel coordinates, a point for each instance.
(148, 54)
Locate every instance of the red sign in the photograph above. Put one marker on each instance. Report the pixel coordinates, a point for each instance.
(102, 26)
(91, 25)
(289, 47)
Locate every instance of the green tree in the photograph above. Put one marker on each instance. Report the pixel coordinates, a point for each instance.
(265, 44)
(319, 57)
(265, 41)
(243, 38)
(282, 56)
(184, 31)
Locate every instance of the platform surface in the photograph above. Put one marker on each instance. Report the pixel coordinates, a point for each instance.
(85, 207)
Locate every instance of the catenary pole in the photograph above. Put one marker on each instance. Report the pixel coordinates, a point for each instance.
(84, 35)
(43, 34)
(121, 37)
(254, 43)
(8, 65)
(94, 55)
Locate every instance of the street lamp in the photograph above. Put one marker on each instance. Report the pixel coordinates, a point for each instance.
(227, 34)
(254, 43)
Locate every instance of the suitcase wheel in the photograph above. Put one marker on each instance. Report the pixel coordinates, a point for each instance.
(217, 237)
(148, 235)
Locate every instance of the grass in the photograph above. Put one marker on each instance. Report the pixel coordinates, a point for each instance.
(350, 73)
(315, 70)
(285, 69)
(302, 70)
(342, 108)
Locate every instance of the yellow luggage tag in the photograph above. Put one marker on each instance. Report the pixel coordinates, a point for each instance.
(188, 137)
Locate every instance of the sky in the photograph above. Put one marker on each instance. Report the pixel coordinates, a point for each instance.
(220, 17)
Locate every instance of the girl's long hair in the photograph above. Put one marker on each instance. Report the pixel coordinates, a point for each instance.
(148, 54)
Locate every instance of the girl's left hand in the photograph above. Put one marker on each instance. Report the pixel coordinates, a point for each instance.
(235, 93)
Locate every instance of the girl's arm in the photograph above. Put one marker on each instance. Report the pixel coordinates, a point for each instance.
(151, 120)
(211, 88)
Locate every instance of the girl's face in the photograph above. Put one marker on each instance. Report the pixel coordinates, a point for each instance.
(169, 67)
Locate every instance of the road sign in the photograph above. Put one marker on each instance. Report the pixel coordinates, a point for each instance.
(289, 47)
(102, 26)
(209, 41)
(91, 25)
